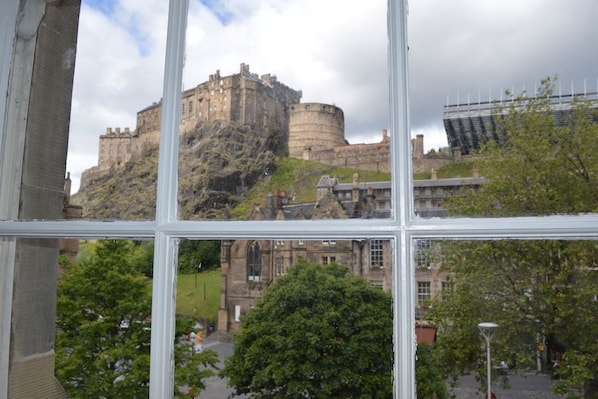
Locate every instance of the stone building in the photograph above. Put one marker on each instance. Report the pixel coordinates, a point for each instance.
(244, 98)
(250, 266)
(37, 53)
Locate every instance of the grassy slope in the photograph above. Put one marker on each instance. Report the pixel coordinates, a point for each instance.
(190, 299)
(298, 178)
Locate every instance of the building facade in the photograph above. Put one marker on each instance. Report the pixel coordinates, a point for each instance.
(250, 266)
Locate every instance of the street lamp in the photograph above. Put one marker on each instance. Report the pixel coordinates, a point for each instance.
(488, 330)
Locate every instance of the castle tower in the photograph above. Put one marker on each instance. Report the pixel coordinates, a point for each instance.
(315, 127)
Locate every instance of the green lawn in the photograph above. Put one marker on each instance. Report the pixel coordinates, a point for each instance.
(199, 294)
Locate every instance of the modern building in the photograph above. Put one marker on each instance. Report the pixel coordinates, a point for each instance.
(470, 125)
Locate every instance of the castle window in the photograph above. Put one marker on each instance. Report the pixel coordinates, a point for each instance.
(190, 107)
(254, 262)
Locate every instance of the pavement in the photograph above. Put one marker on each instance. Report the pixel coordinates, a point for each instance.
(520, 386)
(216, 387)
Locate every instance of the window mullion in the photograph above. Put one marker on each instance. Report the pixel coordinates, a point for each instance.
(164, 281)
(404, 275)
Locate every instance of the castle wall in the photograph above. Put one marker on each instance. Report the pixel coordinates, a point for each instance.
(315, 127)
(116, 148)
(245, 98)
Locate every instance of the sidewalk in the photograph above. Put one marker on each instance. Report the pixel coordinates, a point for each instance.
(522, 386)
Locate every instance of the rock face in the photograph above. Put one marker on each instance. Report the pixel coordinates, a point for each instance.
(218, 163)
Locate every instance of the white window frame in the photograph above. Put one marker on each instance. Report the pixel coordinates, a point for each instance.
(402, 228)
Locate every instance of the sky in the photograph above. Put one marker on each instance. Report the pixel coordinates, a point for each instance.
(335, 52)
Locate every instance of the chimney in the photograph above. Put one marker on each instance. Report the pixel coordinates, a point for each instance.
(457, 154)
(355, 192)
(67, 189)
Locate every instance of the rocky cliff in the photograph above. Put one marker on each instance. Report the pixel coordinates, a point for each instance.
(219, 163)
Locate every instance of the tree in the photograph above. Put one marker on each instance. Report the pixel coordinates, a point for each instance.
(429, 377)
(195, 252)
(541, 293)
(319, 332)
(103, 340)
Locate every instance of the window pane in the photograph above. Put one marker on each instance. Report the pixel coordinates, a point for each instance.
(500, 108)
(115, 118)
(541, 294)
(279, 280)
(103, 317)
(276, 133)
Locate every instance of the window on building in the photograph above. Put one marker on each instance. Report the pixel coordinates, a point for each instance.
(446, 288)
(377, 253)
(327, 260)
(424, 292)
(423, 254)
(254, 262)
(280, 268)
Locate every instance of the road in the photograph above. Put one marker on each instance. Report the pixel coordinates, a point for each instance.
(524, 386)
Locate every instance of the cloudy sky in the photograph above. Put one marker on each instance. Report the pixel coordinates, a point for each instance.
(335, 52)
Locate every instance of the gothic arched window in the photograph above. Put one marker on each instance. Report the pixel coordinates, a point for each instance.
(254, 263)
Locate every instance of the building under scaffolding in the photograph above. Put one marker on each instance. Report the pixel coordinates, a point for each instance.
(470, 125)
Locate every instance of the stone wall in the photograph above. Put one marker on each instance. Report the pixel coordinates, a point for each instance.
(315, 127)
(47, 36)
(244, 98)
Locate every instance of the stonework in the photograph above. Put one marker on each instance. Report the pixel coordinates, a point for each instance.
(250, 266)
(310, 131)
(244, 98)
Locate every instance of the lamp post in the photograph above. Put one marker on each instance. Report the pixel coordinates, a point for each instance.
(488, 330)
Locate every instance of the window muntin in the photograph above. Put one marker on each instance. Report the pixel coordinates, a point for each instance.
(424, 292)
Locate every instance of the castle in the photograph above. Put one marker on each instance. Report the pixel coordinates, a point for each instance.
(312, 131)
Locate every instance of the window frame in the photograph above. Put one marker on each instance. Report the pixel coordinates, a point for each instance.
(402, 228)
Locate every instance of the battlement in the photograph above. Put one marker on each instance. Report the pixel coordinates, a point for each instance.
(117, 132)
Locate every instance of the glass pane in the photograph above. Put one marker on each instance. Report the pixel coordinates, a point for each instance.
(114, 129)
(224, 285)
(541, 294)
(103, 318)
(294, 115)
(499, 106)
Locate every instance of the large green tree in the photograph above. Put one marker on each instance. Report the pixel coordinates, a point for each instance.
(541, 293)
(103, 320)
(319, 332)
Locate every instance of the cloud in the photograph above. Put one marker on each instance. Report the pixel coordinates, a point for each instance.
(335, 51)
